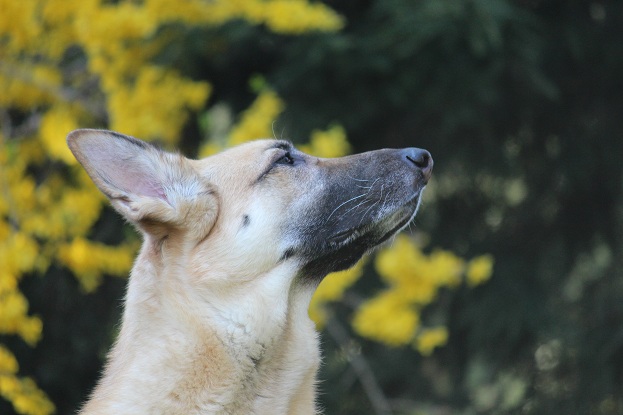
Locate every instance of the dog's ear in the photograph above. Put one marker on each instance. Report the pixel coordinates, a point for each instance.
(152, 188)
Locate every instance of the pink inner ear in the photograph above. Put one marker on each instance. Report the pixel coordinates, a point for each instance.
(139, 183)
(123, 165)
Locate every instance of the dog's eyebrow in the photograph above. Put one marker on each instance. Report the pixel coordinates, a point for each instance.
(280, 144)
(277, 144)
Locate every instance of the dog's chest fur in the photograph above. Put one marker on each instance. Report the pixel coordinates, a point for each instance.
(259, 356)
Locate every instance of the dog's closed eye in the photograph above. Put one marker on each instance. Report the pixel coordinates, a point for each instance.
(286, 159)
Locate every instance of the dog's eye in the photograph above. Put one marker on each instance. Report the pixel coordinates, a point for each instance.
(285, 159)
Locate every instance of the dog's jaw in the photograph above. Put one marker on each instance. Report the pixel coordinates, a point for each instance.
(343, 250)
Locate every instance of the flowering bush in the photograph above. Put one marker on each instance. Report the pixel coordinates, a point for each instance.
(67, 64)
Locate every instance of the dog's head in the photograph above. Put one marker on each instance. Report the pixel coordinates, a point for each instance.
(258, 206)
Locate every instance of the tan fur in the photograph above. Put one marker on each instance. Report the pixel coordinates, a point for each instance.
(215, 318)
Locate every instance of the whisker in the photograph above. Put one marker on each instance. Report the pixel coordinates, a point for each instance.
(372, 185)
(375, 203)
(353, 208)
(349, 200)
(384, 201)
(366, 212)
(359, 180)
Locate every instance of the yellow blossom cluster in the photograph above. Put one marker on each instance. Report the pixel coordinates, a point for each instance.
(298, 16)
(254, 122)
(414, 280)
(39, 219)
(332, 288)
(280, 16)
(66, 64)
(90, 260)
(257, 120)
(430, 338)
(479, 270)
(22, 392)
(119, 40)
(328, 143)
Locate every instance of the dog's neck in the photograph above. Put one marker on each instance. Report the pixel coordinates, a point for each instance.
(248, 349)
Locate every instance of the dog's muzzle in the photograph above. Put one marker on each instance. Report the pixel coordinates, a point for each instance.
(366, 199)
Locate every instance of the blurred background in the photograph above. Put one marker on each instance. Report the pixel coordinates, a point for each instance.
(505, 297)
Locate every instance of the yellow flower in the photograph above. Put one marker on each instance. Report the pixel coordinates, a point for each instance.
(5, 231)
(297, 16)
(329, 143)
(55, 125)
(78, 209)
(8, 282)
(257, 120)
(387, 318)
(155, 104)
(26, 397)
(13, 306)
(418, 276)
(401, 261)
(188, 11)
(21, 253)
(26, 91)
(90, 260)
(21, 195)
(9, 385)
(332, 288)
(13, 318)
(18, 21)
(414, 281)
(429, 339)
(445, 268)
(8, 363)
(30, 330)
(31, 151)
(281, 16)
(479, 270)
(418, 290)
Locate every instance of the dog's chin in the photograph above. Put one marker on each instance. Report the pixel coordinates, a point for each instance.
(343, 249)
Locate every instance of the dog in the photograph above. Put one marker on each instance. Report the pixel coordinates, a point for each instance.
(215, 318)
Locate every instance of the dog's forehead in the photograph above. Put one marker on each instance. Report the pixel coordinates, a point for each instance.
(242, 162)
(249, 152)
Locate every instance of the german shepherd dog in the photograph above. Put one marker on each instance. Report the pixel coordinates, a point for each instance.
(215, 318)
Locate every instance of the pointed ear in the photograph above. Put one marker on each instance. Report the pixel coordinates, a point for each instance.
(148, 186)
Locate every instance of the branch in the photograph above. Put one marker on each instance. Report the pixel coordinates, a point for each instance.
(362, 369)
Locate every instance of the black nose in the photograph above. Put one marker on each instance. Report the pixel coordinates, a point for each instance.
(422, 160)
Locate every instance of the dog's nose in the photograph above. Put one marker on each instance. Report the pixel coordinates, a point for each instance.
(421, 159)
